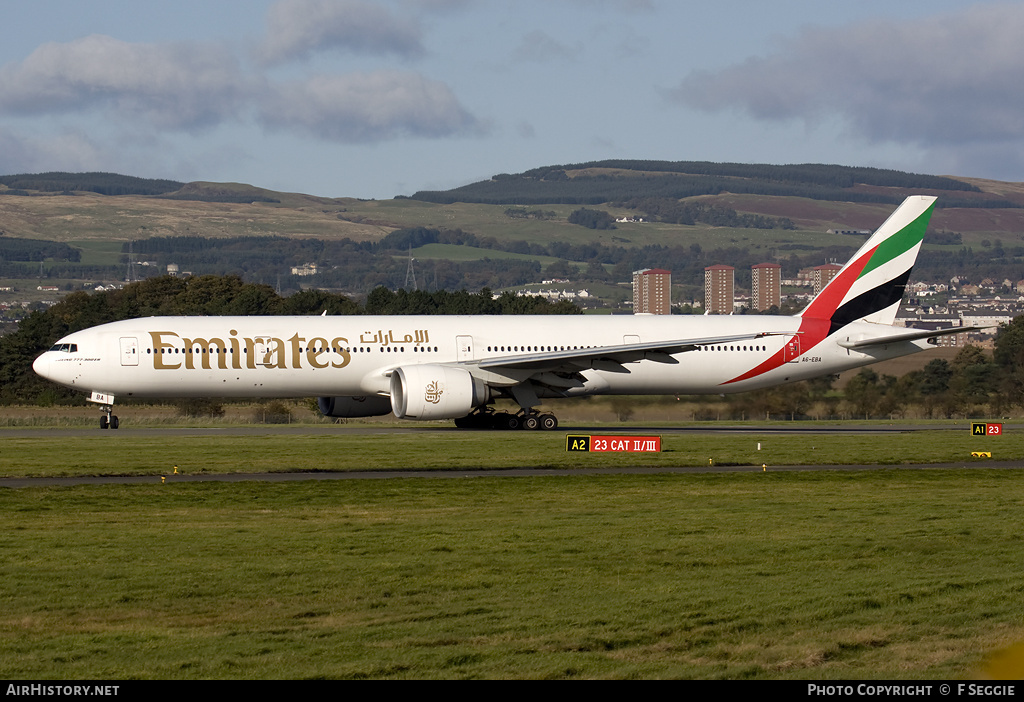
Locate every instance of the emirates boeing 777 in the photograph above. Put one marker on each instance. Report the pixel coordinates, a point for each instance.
(454, 367)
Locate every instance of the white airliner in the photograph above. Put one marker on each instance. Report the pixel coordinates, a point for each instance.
(453, 367)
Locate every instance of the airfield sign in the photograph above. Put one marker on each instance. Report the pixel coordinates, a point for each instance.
(613, 444)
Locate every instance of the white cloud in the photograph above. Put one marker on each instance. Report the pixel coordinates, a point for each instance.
(947, 80)
(181, 86)
(187, 86)
(368, 107)
(298, 28)
(67, 151)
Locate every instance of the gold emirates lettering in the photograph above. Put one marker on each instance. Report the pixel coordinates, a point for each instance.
(257, 352)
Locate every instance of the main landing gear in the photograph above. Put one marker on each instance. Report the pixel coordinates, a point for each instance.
(487, 418)
(533, 420)
(109, 419)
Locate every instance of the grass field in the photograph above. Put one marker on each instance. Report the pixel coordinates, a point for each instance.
(49, 454)
(878, 574)
(753, 574)
(96, 223)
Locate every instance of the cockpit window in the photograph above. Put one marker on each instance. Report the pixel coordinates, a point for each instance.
(67, 348)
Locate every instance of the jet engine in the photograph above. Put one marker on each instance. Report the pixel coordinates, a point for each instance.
(367, 406)
(435, 392)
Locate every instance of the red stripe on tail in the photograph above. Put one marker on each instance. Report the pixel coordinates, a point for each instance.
(824, 305)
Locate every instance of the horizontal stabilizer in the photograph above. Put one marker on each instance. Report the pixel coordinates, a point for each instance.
(909, 335)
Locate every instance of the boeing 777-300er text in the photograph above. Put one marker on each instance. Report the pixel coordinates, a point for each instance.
(453, 367)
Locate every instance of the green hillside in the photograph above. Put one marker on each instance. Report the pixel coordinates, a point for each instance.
(102, 183)
(598, 182)
(494, 233)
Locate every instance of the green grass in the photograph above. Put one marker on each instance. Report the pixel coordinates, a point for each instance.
(879, 574)
(753, 574)
(125, 453)
(491, 221)
(99, 253)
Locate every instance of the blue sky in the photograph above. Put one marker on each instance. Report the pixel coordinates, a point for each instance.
(377, 98)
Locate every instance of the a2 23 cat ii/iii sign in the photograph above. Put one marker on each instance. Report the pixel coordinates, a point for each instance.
(613, 444)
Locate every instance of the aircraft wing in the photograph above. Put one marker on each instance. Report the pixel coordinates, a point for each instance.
(609, 357)
(910, 335)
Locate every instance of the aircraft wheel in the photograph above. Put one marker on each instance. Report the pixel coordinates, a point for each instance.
(104, 424)
(511, 422)
(548, 422)
(531, 422)
(114, 424)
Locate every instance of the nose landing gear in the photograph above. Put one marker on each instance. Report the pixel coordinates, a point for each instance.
(109, 419)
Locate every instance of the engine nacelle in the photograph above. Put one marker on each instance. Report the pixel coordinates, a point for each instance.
(435, 392)
(367, 406)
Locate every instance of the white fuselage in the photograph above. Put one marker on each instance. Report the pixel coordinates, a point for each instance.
(301, 356)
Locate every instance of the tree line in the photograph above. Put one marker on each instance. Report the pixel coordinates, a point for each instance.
(630, 180)
(972, 384)
(102, 183)
(677, 212)
(25, 250)
(833, 176)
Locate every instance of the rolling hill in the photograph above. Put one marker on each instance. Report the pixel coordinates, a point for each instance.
(768, 212)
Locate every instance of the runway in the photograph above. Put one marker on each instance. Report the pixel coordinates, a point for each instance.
(440, 474)
(371, 429)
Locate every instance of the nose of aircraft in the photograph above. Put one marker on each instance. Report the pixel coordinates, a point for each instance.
(41, 365)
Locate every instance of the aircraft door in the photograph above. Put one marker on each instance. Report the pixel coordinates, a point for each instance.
(464, 348)
(264, 351)
(793, 349)
(129, 351)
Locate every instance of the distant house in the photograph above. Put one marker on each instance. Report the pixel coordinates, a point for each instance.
(308, 269)
(979, 318)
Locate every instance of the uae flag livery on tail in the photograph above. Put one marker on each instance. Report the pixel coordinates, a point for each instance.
(868, 288)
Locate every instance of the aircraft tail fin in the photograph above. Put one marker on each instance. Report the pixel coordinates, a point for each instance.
(871, 284)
